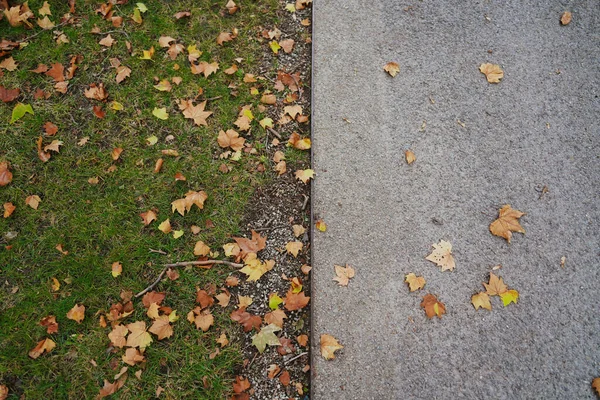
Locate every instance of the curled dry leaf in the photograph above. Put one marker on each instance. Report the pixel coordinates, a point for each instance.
(492, 72)
(507, 222)
(33, 201)
(565, 19)
(9, 208)
(43, 346)
(5, 175)
(442, 255)
(410, 157)
(148, 217)
(392, 68)
(596, 385)
(433, 306)
(329, 345)
(414, 282)
(77, 313)
(50, 323)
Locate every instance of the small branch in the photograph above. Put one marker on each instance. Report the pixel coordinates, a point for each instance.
(28, 38)
(295, 358)
(270, 228)
(214, 98)
(117, 31)
(184, 264)
(306, 198)
(274, 132)
(158, 251)
(251, 362)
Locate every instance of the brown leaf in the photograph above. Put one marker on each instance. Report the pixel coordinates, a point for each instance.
(433, 306)
(204, 299)
(50, 323)
(8, 64)
(99, 112)
(8, 95)
(148, 217)
(33, 201)
(329, 345)
(507, 222)
(42, 155)
(77, 313)
(96, 92)
(133, 356)
(254, 245)
(162, 327)
(287, 45)
(596, 385)
(50, 128)
(284, 378)
(117, 336)
(442, 255)
(495, 286)
(481, 300)
(232, 139)
(44, 345)
(241, 384)
(294, 248)
(295, 301)
(5, 175)
(275, 317)
(152, 297)
(56, 72)
(247, 320)
(197, 113)
(138, 336)
(9, 208)
(286, 346)
(108, 41)
(414, 282)
(392, 68)
(123, 72)
(302, 340)
(344, 274)
(410, 157)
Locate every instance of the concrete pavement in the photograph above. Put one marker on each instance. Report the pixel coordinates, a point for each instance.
(538, 127)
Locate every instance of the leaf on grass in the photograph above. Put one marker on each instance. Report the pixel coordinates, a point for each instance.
(19, 112)
(77, 313)
(222, 340)
(344, 274)
(111, 388)
(50, 128)
(50, 323)
(329, 345)
(96, 92)
(5, 175)
(133, 356)
(433, 306)
(8, 95)
(9, 208)
(116, 269)
(230, 138)
(8, 64)
(117, 336)
(43, 346)
(507, 222)
(138, 336)
(148, 217)
(414, 282)
(204, 299)
(295, 301)
(108, 41)
(123, 72)
(162, 327)
(442, 255)
(153, 297)
(223, 298)
(481, 300)
(33, 201)
(392, 68)
(492, 72)
(203, 318)
(54, 146)
(247, 320)
(197, 113)
(265, 337)
(160, 113)
(165, 226)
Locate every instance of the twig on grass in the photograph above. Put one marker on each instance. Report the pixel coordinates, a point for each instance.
(28, 38)
(185, 264)
(157, 251)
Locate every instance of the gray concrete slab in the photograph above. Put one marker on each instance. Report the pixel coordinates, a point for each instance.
(538, 127)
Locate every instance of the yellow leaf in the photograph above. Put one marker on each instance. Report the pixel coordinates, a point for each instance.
(201, 249)
(442, 255)
(329, 345)
(77, 313)
(178, 234)
(266, 123)
(414, 282)
(160, 113)
(392, 68)
(510, 296)
(55, 285)
(274, 46)
(320, 225)
(115, 105)
(43, 346)
(137, 18)
(410, 157)
(254, 268)
(507, 222)
(165, 226)
(481, 300)
(147, 54)
(305, 175)
(138, 337)
(45, 23)
(231, 249)
(298, 230)
(45, 9)
(293, 248)
(492, 72)
(244, 301)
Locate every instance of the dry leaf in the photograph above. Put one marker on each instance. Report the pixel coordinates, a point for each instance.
(414, 282)
(287, 45)
(43, 346)
(165, 226)
(232, 139)
(492, 72)
(117, 336)
(116, 269)
(95, 92)
(392, 68)
(162, 327)
(247, 320)
(507, 222)
(596, 385)
(50, 323)
(275, 317)
(442, 255)
(197, 113)
(33, 201)
(77, 313)
(108, 41)
(495, 286)
(305, 175)
(8, 95)
(344, 274)
(133, 356)
(293, 248)
(433, 306)
(565, 19)
(329, 345)
(148, 217)
(9, 208)
(295, 301)
(410, 157)
(510, 296)
(298, 230)
(5, 174)
(138, 336)
(481, 300)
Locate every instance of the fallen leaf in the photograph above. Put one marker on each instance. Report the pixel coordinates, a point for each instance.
(298, 230)
(9, 208)
(274, 45)
(273, 370)
(77, 313)
(253, 245)
(329, 345)
(392, 68)
(507, 222)
(116, 269)
(165, 226)
(148, 217)
(163, 86)
(305, 175)
(45, 9)
(55, 285)
(50, 323)
(50, 128)
(295, 301)
(414, 282)
(197, 113)
(254, 268)
(153, 297)
(510, 296)
(266, 336)
(138, 336)
(5, 175)
(19, 112)
(495, 286)
(287, 45)
(275, 317)
(43, 346)
(3, 392)
(481, 300)
(492, 72)
(172, 274)
(108, 41)
(201, 249)
(223, 298)
(162, 327)
(442, 255)
(123, 72)
(160, 113)
(240, 385)
(293, 248)
(133, 356)
(230, 138)
(8, 64)
(8, 95)
(344, 274)
(45, 23)
(284, 378)
(96, 92)
(117, 336)
(305, 269)
(247, 320)
(565, 19)
(596, 385)
(110, 388)
(433, 306)
(54, 146)
(410, 157)
(204, 320)
(33, 201)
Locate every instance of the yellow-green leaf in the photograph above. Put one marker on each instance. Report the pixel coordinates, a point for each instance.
(160, 113)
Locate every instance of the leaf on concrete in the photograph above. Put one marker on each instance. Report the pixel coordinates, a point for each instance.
(565, 19)
(510, 296)
(596, 385)
(507, 222)
(329, 345)
(481, 300)
(492, 72)
(495, 286)
(392, 68)
(433, 306)
(343, 274)
(442, 255)
(414, 282)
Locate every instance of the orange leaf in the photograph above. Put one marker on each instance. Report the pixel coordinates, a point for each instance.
(247, 320)
(5, 174)
(44, 345)
(507, 222)
(77, 313)
(295, 301)
(9, 208)
(433, 306)
(33, 201)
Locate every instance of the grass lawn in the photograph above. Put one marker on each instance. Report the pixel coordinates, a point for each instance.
(99, 223)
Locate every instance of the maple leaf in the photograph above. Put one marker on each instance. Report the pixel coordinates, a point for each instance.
(195, 198)
(293, 248)
(43, 346)
(18, 15)
(329, 345)
(108, 41)
(111, 388)
(33, 201)
(442, 255)
(54, 146)
(50, 323)
(162, 327)
(510, 296)
(344, 274)
(204, 320)
(164, 86)
(117, 335)
(244, 301)
(230, 138)
(254, 245)
(414, 282)
(433, 306)
(148, 217)
(225, 37)
(596, 385)
(9, 208)
(133, 356)
(5, 174)
(231, 249)
(247, 320)
(152, 297)
(8, 64)
(223, 298)
(138, 336)
(295, 301)
(275, 317)
(507, 222)
(231, 7)
(496, 286)
(492, 72)
(254, 268)
(77, 313)
(265, 337)
(197, 113)
(222, 340)
(50, 129)
(165, 41)
(204, 299)
(8, 95)
(123, 72)
(241, 384)
(298, 230)
(392, 68)
(481, 300)
(305, 175)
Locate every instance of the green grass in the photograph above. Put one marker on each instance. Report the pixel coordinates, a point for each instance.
(100, 224)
